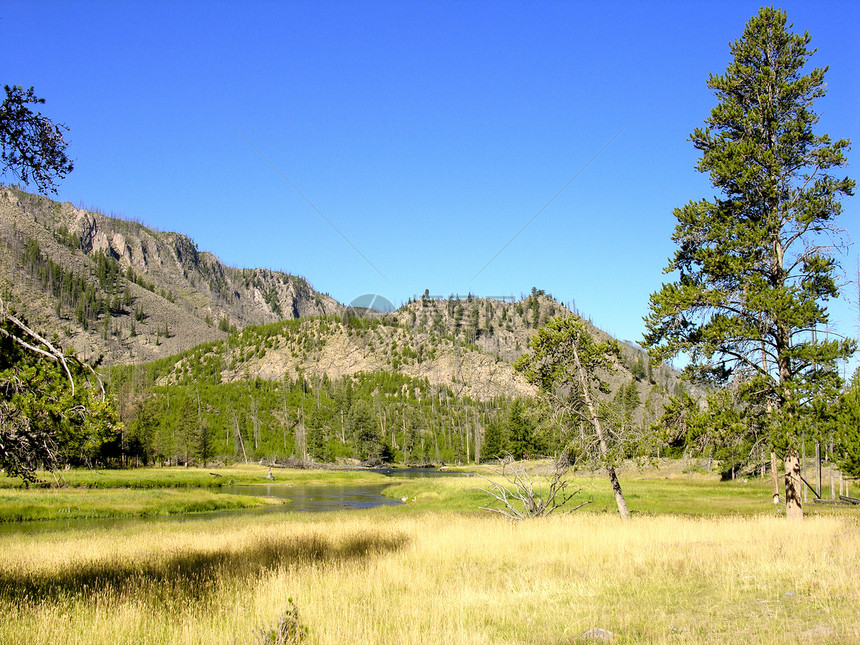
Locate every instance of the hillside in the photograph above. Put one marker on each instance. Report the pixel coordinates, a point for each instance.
(252, 362)
(115, 288)
(432, 381)
(465, 345)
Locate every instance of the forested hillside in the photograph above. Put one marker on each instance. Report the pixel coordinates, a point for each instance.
(431, 382)
(252, 363)
(114, 288)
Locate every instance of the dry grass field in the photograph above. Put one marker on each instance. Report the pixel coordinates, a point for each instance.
(385, 576)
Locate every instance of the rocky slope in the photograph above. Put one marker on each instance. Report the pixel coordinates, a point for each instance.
(467, 346)
(154, 293)
(116, 289)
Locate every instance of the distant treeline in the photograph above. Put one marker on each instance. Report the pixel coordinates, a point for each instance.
(177, 410)
(372, 417)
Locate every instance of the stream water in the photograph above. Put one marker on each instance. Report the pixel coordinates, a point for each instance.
(310, 498)
(313, 498)
(301, 498)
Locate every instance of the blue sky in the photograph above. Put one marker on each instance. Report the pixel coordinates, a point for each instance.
(427, 133)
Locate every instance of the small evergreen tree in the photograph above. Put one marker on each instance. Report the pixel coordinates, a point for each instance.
(847, 449)
(495, 445)
(569, 366)
(53, 409)
(521, 432)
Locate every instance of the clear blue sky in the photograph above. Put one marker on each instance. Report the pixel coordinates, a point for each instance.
(427, 133)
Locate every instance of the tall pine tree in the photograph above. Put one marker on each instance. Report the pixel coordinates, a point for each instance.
(755, 267)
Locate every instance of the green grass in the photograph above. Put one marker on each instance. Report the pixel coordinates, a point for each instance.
(177, 476)
(648, 491)
(147, 492)
(17, 505)
(700, 561)
(161, 491)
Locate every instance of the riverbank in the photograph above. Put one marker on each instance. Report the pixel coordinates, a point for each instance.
(180, 476)
(145, 492)
(18, 505)
(673, 488)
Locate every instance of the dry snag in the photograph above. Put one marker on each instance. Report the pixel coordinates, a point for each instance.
(524, 495)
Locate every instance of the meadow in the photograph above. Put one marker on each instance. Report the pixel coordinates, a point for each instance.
(435, 570)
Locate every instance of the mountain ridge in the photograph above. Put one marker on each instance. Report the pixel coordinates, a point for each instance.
(163, 294)
(118, 291)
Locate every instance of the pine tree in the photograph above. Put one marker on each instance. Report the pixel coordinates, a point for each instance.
(754, 268)
(570, 368)
(495, 443)
(521, 439)
(32, 147)
(848, 429)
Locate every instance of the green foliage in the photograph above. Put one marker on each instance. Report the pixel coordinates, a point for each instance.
(847, 451)
(333, 419)
(716, 427)
(570, 367)
(289, 630)
(65, 237)
(639, 369)
(522, 441)
(622, 413)
(73, 291)
(495, 440)
(31, 145)
(308, 416)
(141, 433)
(45, 421)
(365, 431)
(754, 267)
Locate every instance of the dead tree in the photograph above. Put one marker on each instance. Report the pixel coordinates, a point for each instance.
(523, 495)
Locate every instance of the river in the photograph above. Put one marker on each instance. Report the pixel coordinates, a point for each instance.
(298, 498)
(313, 498)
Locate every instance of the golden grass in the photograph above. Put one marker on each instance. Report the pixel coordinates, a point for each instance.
(383, 577)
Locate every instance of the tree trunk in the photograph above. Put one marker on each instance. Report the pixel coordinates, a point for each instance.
(619, 496)
(793, 507)
(601, 439)
(773, 474)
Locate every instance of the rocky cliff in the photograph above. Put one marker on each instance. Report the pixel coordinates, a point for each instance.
(115, 288)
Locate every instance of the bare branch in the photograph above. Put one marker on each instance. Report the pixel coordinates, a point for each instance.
(523, 497)
(53, 353)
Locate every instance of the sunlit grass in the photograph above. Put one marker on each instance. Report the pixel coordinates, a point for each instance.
(700, 561)
(177, 476)
(437, 578)
(18, 505)
(648, 491)
(159, 491)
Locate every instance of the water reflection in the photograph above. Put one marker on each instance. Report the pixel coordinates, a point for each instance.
(317, 498)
